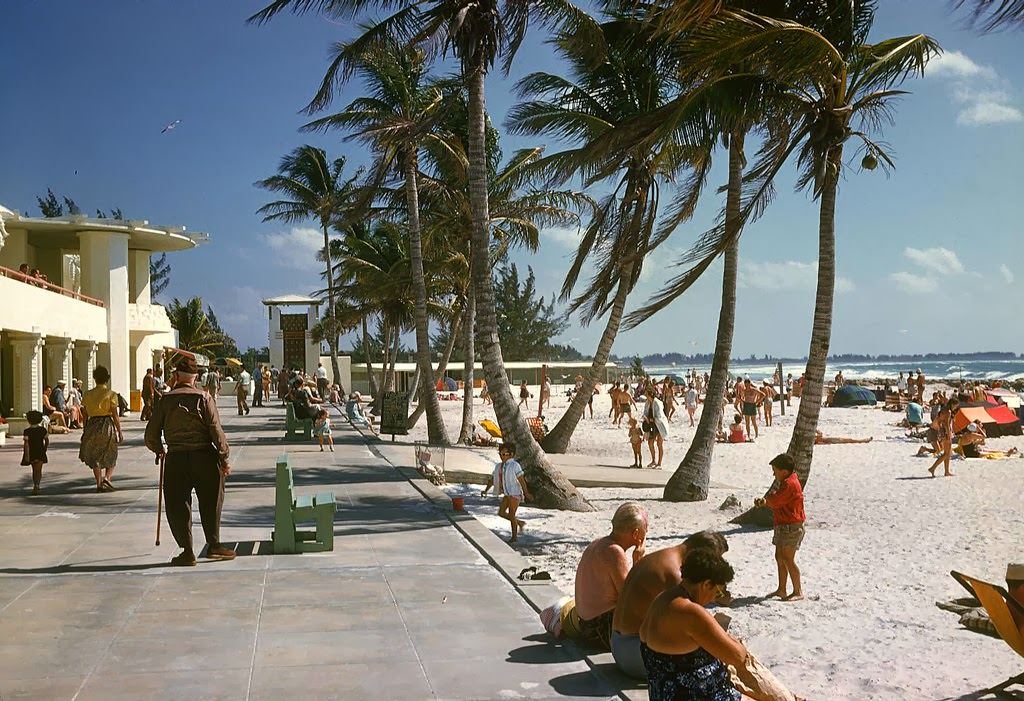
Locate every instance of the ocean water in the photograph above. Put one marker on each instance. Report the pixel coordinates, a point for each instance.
(949, 371)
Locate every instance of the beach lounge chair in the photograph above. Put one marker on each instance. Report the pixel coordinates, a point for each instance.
(491, 428)
(998, 603)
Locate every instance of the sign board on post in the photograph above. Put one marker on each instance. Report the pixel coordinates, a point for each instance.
(394, 414)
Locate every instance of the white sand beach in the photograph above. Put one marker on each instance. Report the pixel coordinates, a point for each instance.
(881, 539)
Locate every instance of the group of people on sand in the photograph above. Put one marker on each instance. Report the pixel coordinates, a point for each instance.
(649, 609)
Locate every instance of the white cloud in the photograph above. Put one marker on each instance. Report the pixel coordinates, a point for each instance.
(956, 64)
(937, 260)
(1007, 274)
(789, 275)
(914, 283)
(985, 112)
(296, 248)
(569, 237)
(977, 89)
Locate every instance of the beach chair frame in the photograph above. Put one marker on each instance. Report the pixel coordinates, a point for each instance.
(998, 603)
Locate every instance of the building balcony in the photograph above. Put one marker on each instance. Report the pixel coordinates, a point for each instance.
(50, 310)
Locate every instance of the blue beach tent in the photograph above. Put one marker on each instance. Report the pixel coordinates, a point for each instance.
(853, 395)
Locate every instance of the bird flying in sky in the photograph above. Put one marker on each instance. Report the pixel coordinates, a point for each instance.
(170, 126)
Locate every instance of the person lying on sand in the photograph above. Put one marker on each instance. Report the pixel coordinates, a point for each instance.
(820, 439)
(647, 579)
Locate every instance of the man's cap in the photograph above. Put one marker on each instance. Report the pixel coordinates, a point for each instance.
(61, 383)
(74, 380)
(1015, 571)
(972, 427)
(187, 365)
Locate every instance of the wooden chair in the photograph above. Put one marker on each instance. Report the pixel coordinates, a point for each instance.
(293, 424)
(290, 510)
(999, 604)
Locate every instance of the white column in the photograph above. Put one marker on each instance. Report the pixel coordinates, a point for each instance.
(86, 362)
(138, 269)
(275, 339)
(312, 347)
(105, 276)
(59, 359)
(28, 371)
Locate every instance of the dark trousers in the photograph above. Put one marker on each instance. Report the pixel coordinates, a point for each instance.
(197, 470)
(321, 387)
(257, 394)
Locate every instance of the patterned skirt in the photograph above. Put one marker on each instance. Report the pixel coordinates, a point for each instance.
(99, 443)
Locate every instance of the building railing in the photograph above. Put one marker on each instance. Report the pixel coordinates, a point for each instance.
(47, 285)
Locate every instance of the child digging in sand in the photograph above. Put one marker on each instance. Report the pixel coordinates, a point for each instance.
(636, 439)
(786, 500)
(510, 485)
(322, 429)
(36, 442)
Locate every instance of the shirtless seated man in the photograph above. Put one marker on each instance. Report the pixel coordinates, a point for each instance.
(602, 571)
(647, 579)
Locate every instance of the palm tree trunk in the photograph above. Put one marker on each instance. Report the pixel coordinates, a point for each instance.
(549, 487)
(468, 361)
(693, 476)
(437, 434)
(332, 335)
(371, 379)
(439, 373)
(557, 441)
(801, 445)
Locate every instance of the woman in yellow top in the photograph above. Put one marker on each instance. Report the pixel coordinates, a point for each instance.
(102, 430)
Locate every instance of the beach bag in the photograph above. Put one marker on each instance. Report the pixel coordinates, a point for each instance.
(554, 615)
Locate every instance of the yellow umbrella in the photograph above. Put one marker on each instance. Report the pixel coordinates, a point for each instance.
(234, 361)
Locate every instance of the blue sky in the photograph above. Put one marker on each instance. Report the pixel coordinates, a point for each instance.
(928, 256)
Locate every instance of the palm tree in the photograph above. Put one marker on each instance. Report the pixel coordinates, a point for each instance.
(830, 75)
(399, 112)
(631, 77)
(517, 211)
(192, 325)
(312, 188)
(477, 33)
(992, 15)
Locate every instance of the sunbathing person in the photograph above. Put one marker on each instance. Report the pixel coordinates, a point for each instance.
(820, 439)
(647, 579)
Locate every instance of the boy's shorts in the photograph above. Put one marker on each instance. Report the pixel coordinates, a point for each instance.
(789, 536)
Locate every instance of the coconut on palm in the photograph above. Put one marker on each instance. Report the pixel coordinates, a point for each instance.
(869, 162)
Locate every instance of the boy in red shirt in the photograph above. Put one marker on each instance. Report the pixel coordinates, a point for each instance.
(786, 500)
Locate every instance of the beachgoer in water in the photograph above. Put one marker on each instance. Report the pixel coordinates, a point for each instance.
(786, 500)
(602, 570)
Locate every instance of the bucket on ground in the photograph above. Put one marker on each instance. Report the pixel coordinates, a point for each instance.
(458, 503)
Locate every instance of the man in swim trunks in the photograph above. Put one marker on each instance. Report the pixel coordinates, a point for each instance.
(646, 580)
(750, 396)
(602, 571)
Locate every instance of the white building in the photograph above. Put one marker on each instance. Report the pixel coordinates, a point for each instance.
(95, 310)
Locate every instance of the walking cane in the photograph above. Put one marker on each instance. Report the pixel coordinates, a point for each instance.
(160, 494)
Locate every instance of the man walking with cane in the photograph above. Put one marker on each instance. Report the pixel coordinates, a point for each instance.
(196, 459)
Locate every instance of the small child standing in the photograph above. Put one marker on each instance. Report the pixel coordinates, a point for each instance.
(322, 429)
(35, 444)
(636, 439)
(510, 485)
(786, 500)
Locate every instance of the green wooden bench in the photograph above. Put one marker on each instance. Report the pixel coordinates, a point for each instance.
(290, 510)
(292, 424)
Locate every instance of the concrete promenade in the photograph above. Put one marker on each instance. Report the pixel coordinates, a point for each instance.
(415, 602)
